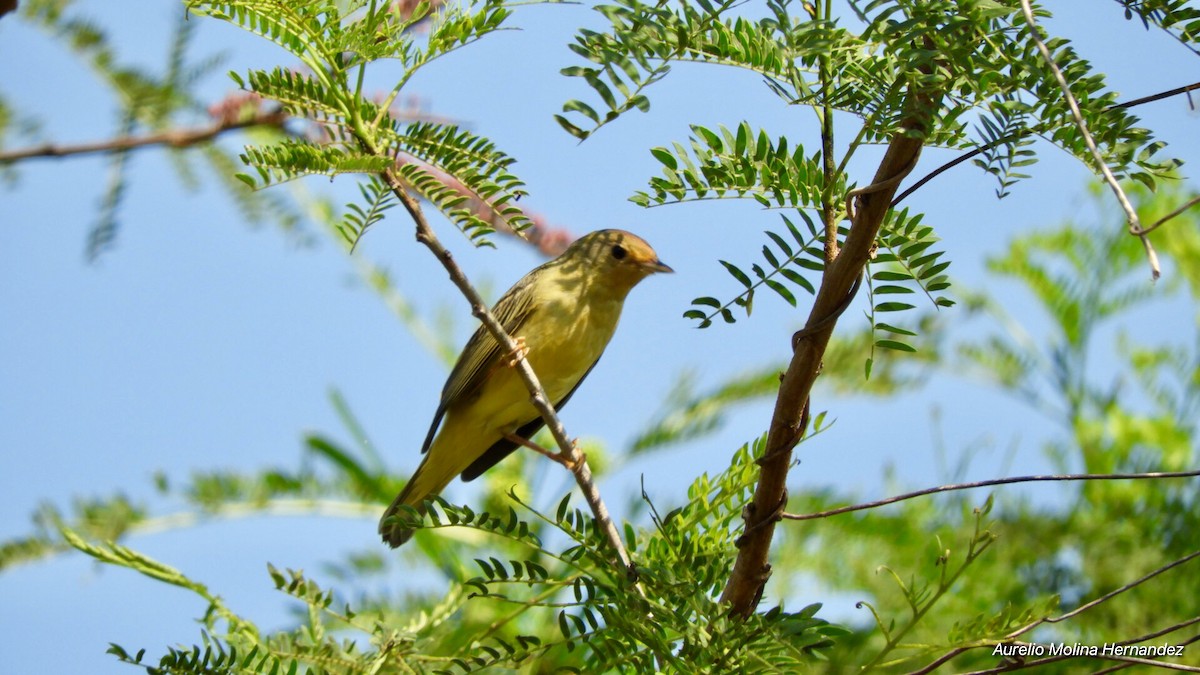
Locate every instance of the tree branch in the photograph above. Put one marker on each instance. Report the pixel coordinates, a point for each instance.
(551, 241)
(1184, 207)
(548, 239)
(789, 420)
(175, 138)
(987, 483)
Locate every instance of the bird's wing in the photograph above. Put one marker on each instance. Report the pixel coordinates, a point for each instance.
(504, 447)
(482, 352)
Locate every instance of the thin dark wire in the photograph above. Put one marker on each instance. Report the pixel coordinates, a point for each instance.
(988, 483)
(1021, 134)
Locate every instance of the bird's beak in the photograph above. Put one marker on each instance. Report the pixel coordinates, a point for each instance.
(657, 265)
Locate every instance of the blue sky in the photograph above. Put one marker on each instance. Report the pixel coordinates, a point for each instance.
(199, 342)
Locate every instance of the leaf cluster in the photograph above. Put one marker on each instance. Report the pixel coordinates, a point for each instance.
(905, 264)
(783, 263)
(146, 101)
(913, 69)
(336, 42)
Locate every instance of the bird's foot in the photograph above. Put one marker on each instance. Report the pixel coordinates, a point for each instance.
(520, 352)
(574, 461)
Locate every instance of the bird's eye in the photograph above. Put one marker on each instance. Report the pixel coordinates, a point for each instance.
(619, 252)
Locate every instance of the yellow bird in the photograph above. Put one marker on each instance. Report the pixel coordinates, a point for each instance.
(565, 312)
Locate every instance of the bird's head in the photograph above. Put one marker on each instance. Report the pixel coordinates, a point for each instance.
(614, 258)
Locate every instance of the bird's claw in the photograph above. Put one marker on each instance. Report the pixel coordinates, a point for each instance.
(574, 461)
(519, 352)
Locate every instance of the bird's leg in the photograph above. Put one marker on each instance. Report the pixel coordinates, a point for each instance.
(572, 461)
(525, 442)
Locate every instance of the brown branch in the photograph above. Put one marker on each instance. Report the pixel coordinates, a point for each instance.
(789, 419)
(1161, 632)
(1159, 96)
(987, 483)
(538, 398)
(1186, 205)
(175, 138)
(1110, 595)
(550, 240)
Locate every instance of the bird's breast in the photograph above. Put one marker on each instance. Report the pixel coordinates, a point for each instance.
(565, 338)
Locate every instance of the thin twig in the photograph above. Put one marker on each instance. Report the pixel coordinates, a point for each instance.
(1135, 226)
(1161, 632)
(175, 138)
(1025, 132)
(1186, 205)
(939, 661)
(551, 241)
(1058, 619)
(1159, 96)
(987, 483)
(1110, 595)
(953, 163)
(538, 398)
(1114, 669)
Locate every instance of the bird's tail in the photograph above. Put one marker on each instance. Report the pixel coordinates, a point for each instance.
(425, 483)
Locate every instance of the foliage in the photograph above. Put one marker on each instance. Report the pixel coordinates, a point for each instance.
(954, 573)
(784, 264)
(526, 582)
(336, 42)
(977, 55)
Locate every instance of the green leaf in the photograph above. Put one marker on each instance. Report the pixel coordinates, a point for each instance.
(896, 345)
(737, 273)
(665, 157)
